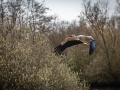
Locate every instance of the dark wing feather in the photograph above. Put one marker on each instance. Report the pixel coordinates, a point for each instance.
(59, 49)
(92, 46)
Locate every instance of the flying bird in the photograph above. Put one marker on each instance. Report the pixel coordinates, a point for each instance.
(75, 40)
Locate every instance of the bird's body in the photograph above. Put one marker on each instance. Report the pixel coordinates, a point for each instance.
(74, 40)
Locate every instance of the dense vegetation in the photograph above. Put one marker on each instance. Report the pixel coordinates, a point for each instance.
(27, 61)
(102, 68)
(27, 38)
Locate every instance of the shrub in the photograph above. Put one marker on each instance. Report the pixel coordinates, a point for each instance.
(25, 65)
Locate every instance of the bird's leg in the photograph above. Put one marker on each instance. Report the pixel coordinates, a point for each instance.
(72, 38)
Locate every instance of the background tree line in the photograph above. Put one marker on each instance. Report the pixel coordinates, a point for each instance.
(27, 61)
(28, 37)
(102, 68)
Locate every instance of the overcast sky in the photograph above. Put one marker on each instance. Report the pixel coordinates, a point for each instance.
(64, 9)
(68, 9)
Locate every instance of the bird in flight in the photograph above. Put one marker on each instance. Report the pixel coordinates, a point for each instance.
(74, 40)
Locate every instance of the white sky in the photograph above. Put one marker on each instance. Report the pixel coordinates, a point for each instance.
(64, 9)
(68, 9)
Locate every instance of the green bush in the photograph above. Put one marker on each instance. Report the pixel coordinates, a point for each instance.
(25, 65)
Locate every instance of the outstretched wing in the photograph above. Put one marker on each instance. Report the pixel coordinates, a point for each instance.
(59, 49)
(92, 46)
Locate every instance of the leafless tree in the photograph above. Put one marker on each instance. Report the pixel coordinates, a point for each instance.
(96, 14)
